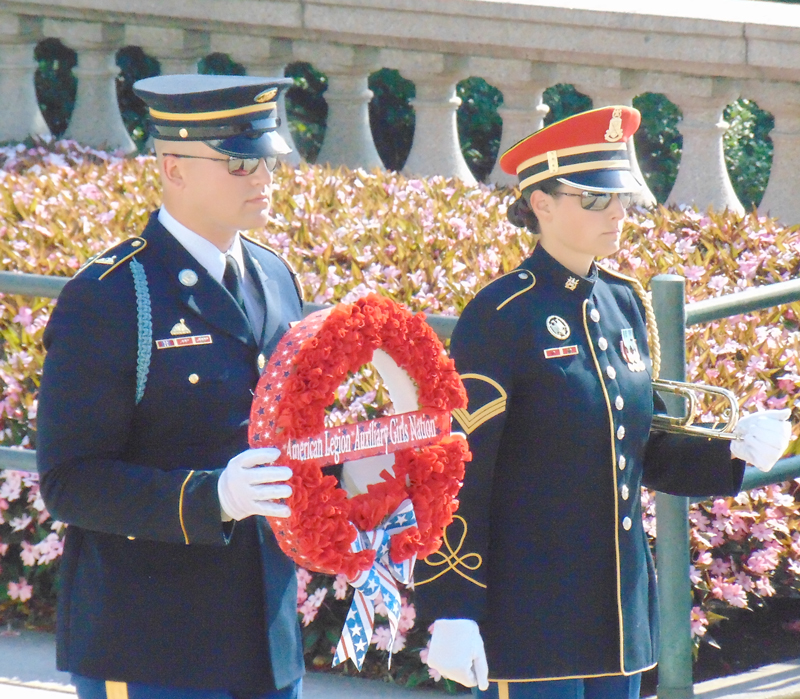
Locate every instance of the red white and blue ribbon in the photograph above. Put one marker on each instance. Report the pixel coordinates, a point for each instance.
(377, 581)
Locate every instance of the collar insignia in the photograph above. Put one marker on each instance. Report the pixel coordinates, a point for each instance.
(572, 284)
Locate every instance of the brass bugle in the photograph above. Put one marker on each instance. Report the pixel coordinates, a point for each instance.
(683, 425)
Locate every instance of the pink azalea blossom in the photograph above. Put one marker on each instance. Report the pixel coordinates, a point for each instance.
(29, 555)
(340, 586)
(20, 590)
(699, 622)
(761, 532)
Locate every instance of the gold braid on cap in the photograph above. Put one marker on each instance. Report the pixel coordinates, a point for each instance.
(652, 328)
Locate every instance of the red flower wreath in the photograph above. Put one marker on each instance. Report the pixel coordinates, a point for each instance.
(309, 364)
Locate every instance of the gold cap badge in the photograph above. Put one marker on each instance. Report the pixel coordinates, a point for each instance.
(615, 132)
(266, 96)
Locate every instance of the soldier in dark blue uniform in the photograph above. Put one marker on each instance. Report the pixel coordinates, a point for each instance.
(547, 562)
(170, 586)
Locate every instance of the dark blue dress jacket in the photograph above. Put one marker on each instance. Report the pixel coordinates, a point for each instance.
(154, 587)
(547, 551)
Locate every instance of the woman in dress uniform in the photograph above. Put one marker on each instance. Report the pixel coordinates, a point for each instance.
(546, 564)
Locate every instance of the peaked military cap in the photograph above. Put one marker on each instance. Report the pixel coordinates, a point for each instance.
(235, 115)
(587, 150)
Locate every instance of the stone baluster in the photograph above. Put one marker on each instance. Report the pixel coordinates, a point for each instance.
(522, 84)
(436, 149)
(96, 120)
(20, 116)
(264, 58)
(177, 50)
(348, 134)
(702, 175)
(780, 198)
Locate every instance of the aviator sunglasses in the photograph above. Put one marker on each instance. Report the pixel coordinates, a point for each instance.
(241, 167)
(598, 201)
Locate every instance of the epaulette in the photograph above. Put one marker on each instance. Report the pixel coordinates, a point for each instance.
(650, 317)
(106, 262)
(524, 278)
(286, 262)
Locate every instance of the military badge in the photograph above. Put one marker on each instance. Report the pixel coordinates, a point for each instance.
(187, 277)
(572, 284)
(555, 352)
(630, 351)
(558, 327)
(615, 131)
(184, 341)
(180, 328)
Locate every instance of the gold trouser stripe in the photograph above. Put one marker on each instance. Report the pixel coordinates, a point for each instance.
(180, 507)
(575, 150)
(116, 690)
(580, 167)
(502, 689)
(208, 116)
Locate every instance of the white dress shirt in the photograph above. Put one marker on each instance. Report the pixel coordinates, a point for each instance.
(213, 260)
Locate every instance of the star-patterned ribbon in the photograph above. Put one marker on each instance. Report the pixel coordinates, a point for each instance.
(378, 580)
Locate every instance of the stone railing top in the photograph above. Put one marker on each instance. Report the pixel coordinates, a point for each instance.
(744, 39)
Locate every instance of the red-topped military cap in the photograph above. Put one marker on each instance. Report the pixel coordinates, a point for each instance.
(587, 151)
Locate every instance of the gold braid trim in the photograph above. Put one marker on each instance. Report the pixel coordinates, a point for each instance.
(650, 318)
(652, 327)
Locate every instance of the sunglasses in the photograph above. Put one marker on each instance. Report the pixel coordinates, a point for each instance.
(598, 201)
(241, 167)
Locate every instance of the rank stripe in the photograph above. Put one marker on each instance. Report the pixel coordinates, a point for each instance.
(184, 341)
(472, 421)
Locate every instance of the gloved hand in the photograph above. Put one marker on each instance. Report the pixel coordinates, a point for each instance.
(457, 652)
(247, 487)
(762, 438)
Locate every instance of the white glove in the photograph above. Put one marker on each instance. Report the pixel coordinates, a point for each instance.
(762, 438)
(457, 652)
(246, 487)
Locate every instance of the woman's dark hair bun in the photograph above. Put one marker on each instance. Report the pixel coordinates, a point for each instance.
(520, 214)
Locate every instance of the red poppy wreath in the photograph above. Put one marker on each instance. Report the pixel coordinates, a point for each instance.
(387, 462)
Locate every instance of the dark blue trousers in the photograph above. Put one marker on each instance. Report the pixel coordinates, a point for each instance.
(614, 687)
(89, 688)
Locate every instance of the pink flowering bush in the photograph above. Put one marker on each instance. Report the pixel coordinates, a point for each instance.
(430, 244)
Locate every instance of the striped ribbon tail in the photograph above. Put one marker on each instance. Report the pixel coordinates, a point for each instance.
(380, 580)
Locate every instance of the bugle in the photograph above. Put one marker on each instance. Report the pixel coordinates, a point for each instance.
(683, 425)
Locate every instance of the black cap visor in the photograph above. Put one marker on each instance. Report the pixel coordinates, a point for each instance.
(610, 181)
(251, 145)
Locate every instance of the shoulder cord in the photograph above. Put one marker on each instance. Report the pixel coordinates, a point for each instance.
(145, 328)
(652, 328)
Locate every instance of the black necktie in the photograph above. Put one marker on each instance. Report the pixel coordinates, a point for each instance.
(232, 279)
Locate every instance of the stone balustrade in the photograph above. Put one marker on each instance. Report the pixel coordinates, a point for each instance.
(702, 56)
